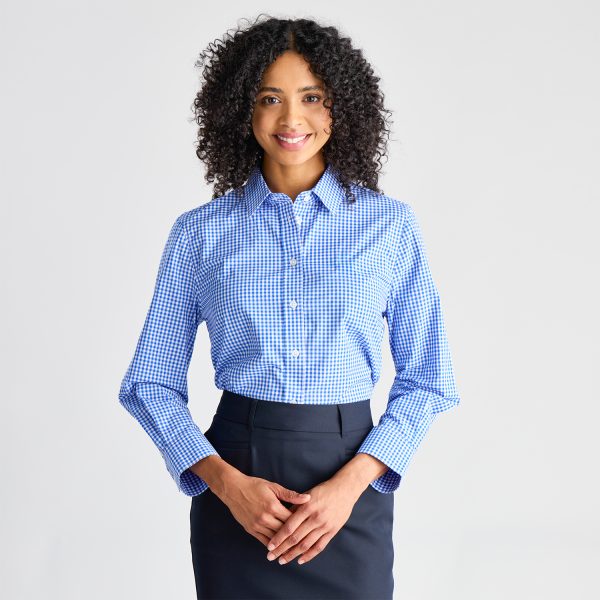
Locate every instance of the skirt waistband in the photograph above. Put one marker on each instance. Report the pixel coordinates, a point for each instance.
(253, 412)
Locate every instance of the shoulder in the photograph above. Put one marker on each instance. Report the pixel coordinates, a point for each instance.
(193, 222)
(398, 214)
(381, 201)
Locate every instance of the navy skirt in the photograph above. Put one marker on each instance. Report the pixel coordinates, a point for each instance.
(297, 446)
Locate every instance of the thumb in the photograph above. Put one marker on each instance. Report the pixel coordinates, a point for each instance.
(292, 496)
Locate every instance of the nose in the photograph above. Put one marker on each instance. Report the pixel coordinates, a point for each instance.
(291, 115)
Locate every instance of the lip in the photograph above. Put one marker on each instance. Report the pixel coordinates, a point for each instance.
(287, 145)
(291, 134)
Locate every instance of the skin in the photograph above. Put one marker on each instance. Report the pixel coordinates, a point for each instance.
(292, 112)
(316, 516)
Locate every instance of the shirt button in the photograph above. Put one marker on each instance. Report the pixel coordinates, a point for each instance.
(293, 261)
(293, 400)
(295, 352)
(293, 304)
(298, 220)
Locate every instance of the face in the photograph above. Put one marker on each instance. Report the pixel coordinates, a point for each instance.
(290, 103)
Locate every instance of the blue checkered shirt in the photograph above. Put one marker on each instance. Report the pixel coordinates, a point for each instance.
(294, 296)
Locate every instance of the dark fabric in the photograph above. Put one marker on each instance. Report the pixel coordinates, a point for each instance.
(297, 446)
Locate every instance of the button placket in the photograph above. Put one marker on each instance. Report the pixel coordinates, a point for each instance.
(294, 283)
(295, 318)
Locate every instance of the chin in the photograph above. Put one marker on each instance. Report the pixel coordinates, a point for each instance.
(290, 161)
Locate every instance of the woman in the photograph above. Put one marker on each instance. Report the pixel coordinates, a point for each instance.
(294, 265)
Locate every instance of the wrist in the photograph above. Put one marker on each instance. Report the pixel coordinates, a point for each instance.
(359, 472)
(218, 474)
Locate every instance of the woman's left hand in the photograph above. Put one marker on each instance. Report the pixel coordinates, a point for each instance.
(313, 524)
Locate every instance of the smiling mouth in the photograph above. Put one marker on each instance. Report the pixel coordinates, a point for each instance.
(292, 140)
(291, 143)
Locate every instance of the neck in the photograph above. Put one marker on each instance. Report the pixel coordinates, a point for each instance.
(292, 179)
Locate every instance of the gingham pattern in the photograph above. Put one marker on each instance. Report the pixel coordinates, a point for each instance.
(294, 297)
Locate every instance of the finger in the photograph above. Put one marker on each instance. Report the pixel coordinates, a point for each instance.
(274, 517)
(287, 534)
(308, 536)
(270, 522)
(269, 525)
(266, 531)
(281, 513)
(261, 537)
(264, 534)
(316, 548)
(279, 507)
(288, 545)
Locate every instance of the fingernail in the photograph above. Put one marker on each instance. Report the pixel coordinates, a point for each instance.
(270, 556)
(300, 561)
(271, 546)
(282, 561)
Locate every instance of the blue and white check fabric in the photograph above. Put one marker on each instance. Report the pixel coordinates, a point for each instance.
(294, 296)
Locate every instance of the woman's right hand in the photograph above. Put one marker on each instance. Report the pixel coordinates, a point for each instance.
(256, 504)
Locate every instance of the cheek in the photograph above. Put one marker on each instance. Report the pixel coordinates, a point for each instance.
(260, 122)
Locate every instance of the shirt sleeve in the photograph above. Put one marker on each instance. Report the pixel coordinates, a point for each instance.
(424, 384)
(154, 388)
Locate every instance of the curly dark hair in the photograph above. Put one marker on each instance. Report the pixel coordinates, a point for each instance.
(232, 70)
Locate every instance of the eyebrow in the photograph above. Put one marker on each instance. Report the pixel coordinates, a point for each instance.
(307, 88)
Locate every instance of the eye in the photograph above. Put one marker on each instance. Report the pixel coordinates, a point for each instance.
(264, 100)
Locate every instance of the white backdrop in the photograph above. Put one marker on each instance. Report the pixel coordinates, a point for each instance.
(495, 145)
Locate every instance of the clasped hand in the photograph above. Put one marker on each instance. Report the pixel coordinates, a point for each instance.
(305, 528)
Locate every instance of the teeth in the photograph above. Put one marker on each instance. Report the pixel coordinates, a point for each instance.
(291, 140)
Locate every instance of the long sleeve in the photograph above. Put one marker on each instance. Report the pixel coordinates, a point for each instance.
(424, 384)
(154, 388)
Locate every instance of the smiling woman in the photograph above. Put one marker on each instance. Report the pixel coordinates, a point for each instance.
(292, 124)
(290, 77)
(295, 265)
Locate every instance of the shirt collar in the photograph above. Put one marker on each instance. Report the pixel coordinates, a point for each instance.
(328, 189)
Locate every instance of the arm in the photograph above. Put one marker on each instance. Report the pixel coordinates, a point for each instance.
(154, 388)
(424, 384)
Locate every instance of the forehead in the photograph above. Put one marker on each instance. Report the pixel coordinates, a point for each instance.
(289, 67)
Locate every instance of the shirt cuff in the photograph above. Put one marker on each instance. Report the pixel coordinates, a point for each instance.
(190, 446)
(392, 448)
